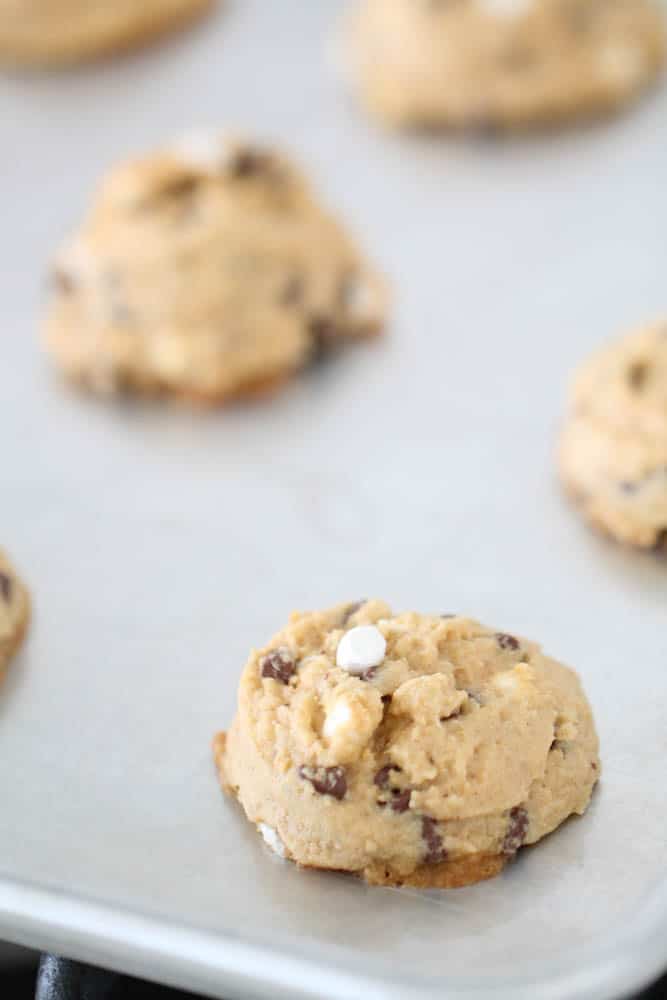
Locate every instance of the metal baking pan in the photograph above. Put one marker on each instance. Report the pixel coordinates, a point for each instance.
(161, 544)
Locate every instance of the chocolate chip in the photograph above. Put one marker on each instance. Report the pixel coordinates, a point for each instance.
(63, 281)
(381, 779)
(350, 610)
(248, 163)
(435, 851)
(506, 641)
(326, 780)
(562, 745)
(6, 587)
(660, 544)
(386, 699)
(400, 802)
(594, 765)
(324, 335)
(292, 291)
(278, 664)
(637, 374)
(452, 715)
(516, 830)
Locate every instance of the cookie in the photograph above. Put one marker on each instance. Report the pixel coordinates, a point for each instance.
(407, 749)
(613, 448)
(502, 63)
(14, 612)
(51, 32)
(208, 271)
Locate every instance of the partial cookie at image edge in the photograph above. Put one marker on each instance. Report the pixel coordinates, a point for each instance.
(40, 48)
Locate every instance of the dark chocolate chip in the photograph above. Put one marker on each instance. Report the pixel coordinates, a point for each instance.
(561, 745)
(660, 544)
(248, 163)
(400, 802)
(6, 587)
(386, 699)
(278, 664)
(292, 291)
(324, 336)
(435, 851)
(63, 281)
(350, 610)
(326, 780)
(637, 374)
(381, 779)
(516, 830)
(506, 641)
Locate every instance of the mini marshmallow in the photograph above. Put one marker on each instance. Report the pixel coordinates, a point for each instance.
(360, 649)
(505, 8)
(272, 840)
(339, 716)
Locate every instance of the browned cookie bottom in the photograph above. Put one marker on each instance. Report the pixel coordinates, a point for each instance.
(453, 873)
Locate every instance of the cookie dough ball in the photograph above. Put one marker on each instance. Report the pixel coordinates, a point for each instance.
(49, 32)
(14, 611)
(208, 271)
(408, 749)
(613, 450)
(503, 63)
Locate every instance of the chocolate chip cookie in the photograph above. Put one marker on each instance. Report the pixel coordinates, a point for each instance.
(14, 612)
(503, 63)
(207, 271)
(51, 32)
(408, 749)
(613, 449)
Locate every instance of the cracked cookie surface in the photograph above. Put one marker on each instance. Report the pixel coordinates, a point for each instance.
(207, 272)
(51, 32)
(14, 612)
(502, 63)
(613, 448)
(432, 767)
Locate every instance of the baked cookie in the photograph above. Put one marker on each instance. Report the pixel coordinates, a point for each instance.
(51, 32)
(613, 449)
(408, 749)
(207, 271)
(503, 63)
(14, 612)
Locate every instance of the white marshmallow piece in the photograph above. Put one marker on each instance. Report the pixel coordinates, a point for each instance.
(505, 8)
(272, 840)
(338, 717)
(360, 649)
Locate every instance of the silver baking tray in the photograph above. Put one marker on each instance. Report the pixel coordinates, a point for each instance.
(161, 544)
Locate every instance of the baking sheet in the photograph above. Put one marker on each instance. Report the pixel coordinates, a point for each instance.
(162, 544)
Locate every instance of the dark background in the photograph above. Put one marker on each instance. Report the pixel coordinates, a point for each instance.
(20, 985)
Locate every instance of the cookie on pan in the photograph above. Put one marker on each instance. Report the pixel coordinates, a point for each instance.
(14, 612)
(613, 447)
(207, 271)
(502, 63)
(407, 749)
(53, 32)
